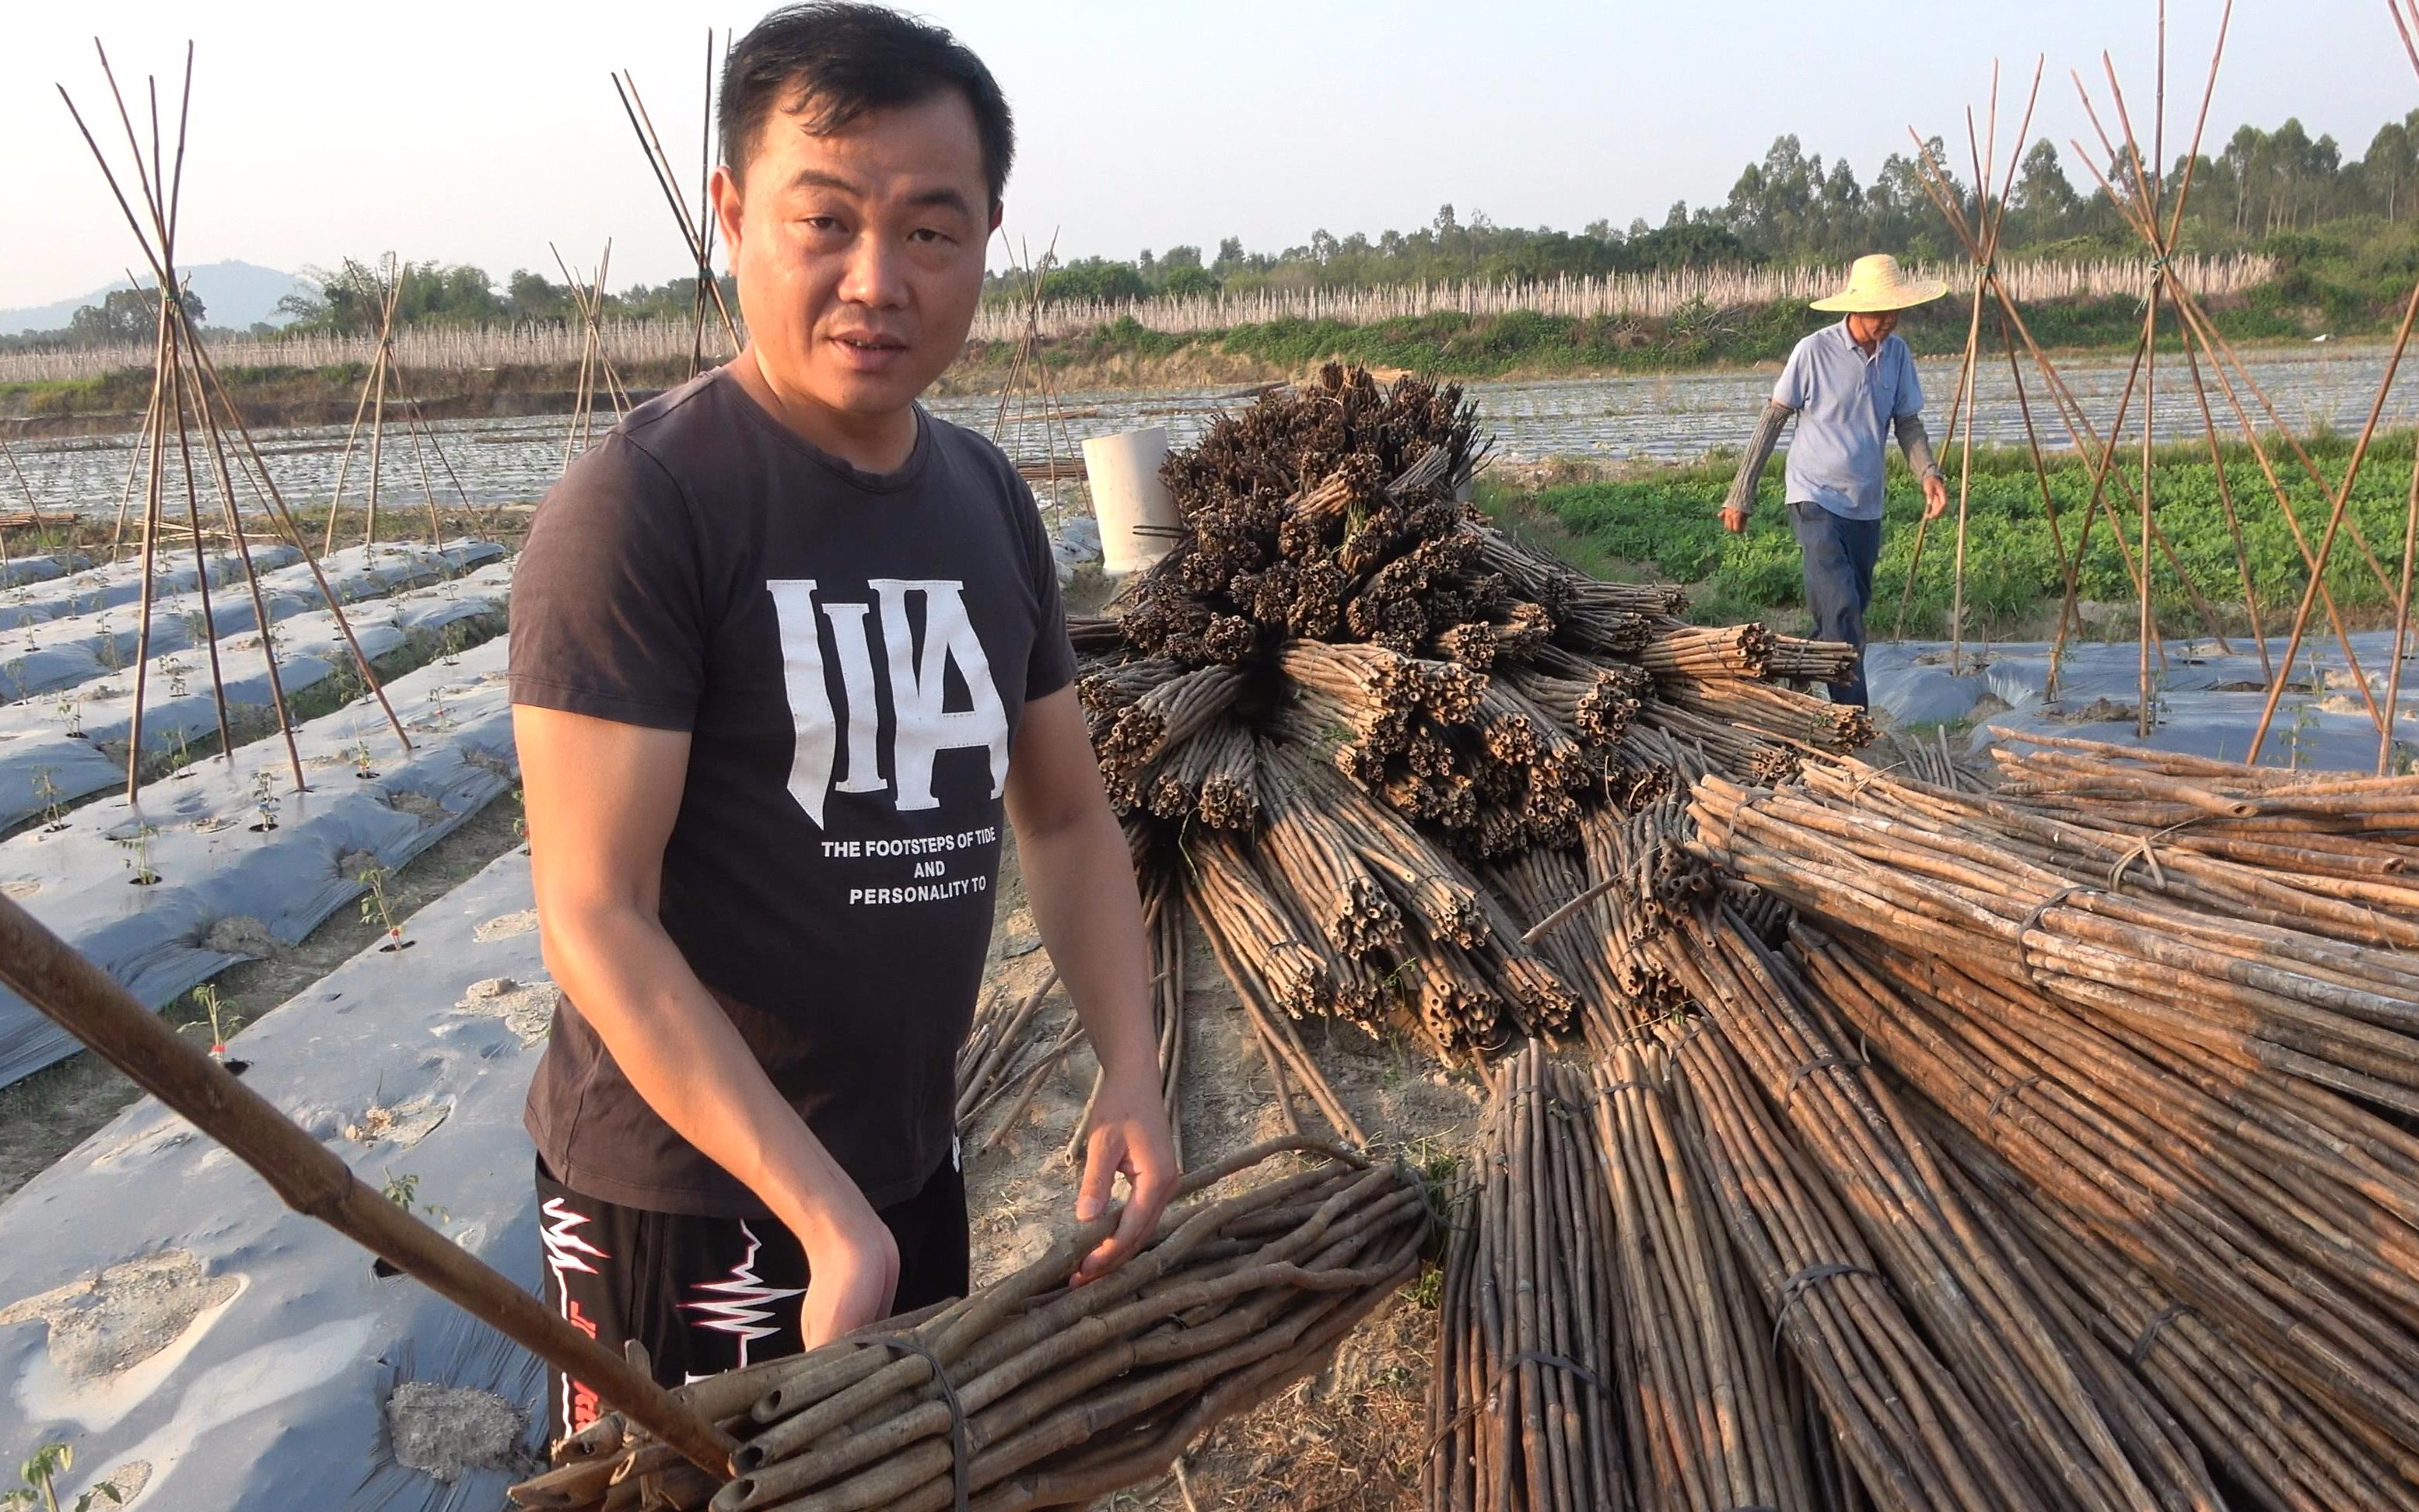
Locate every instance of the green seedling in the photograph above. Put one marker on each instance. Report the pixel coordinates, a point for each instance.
(363, 766)
(207, 998)
(264, 801)
(37, 1490)
(69, 709)
(379, 911)
(2305, 720)
(46, 788)
(403, 1189)
(198, 627)
(137, 847)
(174, 672)
(438, 711)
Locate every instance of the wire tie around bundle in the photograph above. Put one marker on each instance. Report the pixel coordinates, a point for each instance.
(2151, 1331)
(2010, 1090)
(1559, 1361)
(1795, 1286)
(2032, 919)
(1819, 1063)
(960, 1461)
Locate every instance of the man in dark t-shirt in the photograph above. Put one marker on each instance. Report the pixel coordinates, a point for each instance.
(787, 651)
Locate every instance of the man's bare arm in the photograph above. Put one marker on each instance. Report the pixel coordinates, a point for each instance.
(1080, 880)
(601, 798)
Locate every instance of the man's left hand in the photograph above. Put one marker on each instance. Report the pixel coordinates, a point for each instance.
(1935, 496)
(1129, 1136)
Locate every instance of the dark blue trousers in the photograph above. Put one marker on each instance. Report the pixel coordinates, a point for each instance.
(1840, 556)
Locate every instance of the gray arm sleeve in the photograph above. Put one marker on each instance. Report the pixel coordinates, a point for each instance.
(1917, 443)
(1759, 452)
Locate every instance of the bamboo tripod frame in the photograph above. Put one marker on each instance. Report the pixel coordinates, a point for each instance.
(696, 230)
(385, 372)
(1028, 389)
(2147, 206)
(596, 361)
(188, 395)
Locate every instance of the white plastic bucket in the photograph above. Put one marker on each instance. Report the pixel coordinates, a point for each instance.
(1127, 497)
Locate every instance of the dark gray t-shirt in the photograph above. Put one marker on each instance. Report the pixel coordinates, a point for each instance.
(851, 654)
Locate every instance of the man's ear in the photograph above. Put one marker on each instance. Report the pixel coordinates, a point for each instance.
(996, 211)
(724, 191)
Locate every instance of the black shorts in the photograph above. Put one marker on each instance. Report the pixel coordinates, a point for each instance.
(705, 1295)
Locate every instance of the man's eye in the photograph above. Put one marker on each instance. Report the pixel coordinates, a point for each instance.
(928, 236)
(821, 222)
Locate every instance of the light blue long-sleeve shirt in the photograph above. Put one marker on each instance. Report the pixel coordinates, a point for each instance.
(1846, 402)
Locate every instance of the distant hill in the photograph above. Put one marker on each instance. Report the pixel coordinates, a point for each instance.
(233, 294)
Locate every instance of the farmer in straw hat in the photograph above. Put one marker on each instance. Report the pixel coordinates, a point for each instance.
(1849, 385)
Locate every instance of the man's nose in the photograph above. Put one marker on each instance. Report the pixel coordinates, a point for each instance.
(872, 276)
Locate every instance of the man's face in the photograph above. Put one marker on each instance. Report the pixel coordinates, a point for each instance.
(860, 253)
(1866, 328)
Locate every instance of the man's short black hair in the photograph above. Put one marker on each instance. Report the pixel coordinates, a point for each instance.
(834, 61)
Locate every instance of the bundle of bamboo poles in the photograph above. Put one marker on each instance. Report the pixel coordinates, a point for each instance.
(2168, 1086)
(2060, 1410)
(2247, 1244)
(2257, 988)
(1521, 1410)
(1031, 1393)
(2357, 831)
(1708, 1421)
(1341, 703)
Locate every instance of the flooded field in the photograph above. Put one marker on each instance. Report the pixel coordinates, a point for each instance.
(1672, 417)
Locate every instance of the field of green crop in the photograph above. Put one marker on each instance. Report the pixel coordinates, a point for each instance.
(1664, 525)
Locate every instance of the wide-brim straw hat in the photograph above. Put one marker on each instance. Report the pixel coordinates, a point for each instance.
(1878, 283)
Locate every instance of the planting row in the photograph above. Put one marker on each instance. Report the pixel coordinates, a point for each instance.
(122, 582)
(54, 753)
(199, 1345)
(46, 657)
(223, 862)
(40, 566)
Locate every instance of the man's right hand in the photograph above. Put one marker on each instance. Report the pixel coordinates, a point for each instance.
(852, 1268)
(1735, 520)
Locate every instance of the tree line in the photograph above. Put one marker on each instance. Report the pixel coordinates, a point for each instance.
(2341, 228)
(2280, 191)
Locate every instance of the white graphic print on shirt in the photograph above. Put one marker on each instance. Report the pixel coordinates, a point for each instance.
(921, 728)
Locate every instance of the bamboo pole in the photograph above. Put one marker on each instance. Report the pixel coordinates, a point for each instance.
(2326, 540)
(659, 163)
(308, 1177)
(1973, 349)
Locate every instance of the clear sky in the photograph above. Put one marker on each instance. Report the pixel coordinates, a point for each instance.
(475, 132)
